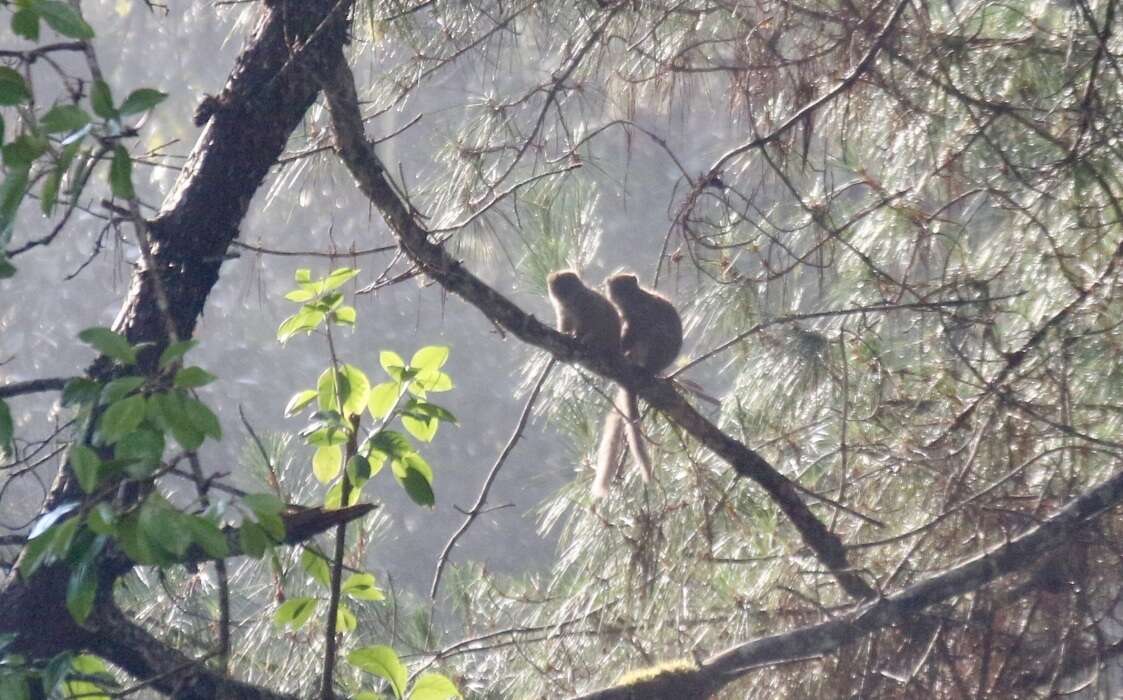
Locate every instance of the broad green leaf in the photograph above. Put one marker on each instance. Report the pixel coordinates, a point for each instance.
(143, 449)
(80, 391)
(430, 357)
(85, 464)
(25, 23)
(102, 520)
(208, 536)
(420, 426)
(163, 525)
(345, 619)
(101, 99)
(358, 389)
(263, 503)
(7, 269)
(316, 566)
(390, 443)
(21, 153)
(303, 321)
(358, 470)
(122, 417)
(109, 343)
(138, 547)
(301, 295)
(433, 381)
(337, 278)
(295, 612)
(327, 462)
(273, 526)
(344, 316)
(192, 377)
(13, 90)
(433, 686)
(326, 437)
(80, 591)
(141, 100)
(253, 539)
(48, 193)
(64, 118)
(388, 359)
(299, 400)
(7, 428)
(36, 552)
(330, 386)
(383, 398)
(202, 418)
(120, 388)
(168, 409)
(333, 499)
(12, 191)
(416, 478)
(175, 351)
(361, 586)
(303, 275)
(63, 18)
(382, 661)
(121, 174)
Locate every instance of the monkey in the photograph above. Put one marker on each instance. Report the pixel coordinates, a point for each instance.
(584, 313)
(651, 338)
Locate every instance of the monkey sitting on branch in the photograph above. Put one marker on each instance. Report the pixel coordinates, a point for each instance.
(651, 338)
(641, 324)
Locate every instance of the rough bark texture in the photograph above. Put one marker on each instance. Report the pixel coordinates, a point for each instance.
(249, 123)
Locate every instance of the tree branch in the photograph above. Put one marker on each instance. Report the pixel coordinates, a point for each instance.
(364, 165)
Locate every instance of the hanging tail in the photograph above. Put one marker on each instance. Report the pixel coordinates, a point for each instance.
(634, 434)
(611, 446)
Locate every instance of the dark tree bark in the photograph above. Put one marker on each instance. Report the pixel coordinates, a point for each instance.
(248, 124)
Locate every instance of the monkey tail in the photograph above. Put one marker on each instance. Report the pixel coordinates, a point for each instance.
(636, 443)
(611, 446)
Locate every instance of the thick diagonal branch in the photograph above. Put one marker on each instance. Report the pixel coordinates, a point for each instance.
(359, 157)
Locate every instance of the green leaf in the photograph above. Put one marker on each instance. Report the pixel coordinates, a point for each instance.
(121, 174)
(337, 278)
(295, 612)
(141, 100)
(382, 661)
(362, 587)
(330, 386)
(170, 414)
(36, 552)
(202, 418)
(22, 152)
(358, 470)
(163, 525)
(316, 566)
(358, 392)
(432, 381)
(430, 357)
(253, 539)
(192, 377)
(102, 520)
(25, 23)
(101, 99)
(326, 436)
(13, 90)
(299, 400)
(433, 686)
(419, 425)
(7, 428)
(345, 619)
(263, 503)
(301, 295)
(207, 535)
(85, 464)
(303, 275)
(344, 316)
(304, 321)
(327, 462)
(122, 417)
(48, 194)
(12, 191)
(63, 18)
(333, 499)
(368, 695)
(80, 591)
(175, 351)
(142, 449)
(415, 476)
(120, 388)
(7, 269)
(64, 118)
(388, 359)
(390, 443)
(109, 343)
(383, 398)
(80, 391)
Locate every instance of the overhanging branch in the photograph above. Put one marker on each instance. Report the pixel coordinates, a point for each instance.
(364, 165)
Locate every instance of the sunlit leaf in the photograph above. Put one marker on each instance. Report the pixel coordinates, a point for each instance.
(141, 100)
(382, 661)
(109, 343)
(326, 463)
(433, 686)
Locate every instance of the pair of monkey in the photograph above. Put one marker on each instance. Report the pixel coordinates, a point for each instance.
(639, 323)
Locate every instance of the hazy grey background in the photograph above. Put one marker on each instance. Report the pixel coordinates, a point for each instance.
(189, 53)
